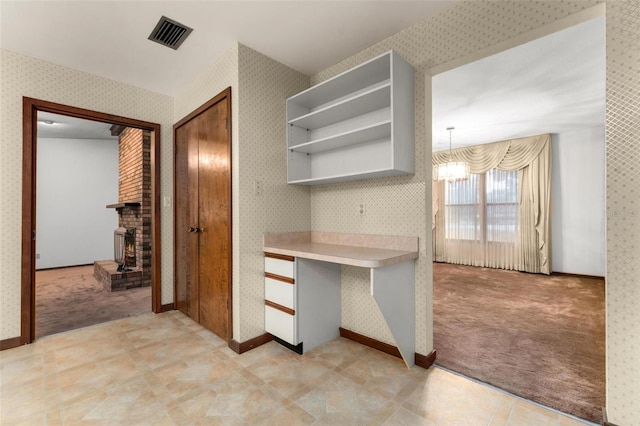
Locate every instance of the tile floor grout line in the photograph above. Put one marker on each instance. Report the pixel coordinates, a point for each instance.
(494, 413)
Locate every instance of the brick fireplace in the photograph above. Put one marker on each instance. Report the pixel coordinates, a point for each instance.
(133, 209)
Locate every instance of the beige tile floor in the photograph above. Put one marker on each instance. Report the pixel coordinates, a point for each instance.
(167, 370)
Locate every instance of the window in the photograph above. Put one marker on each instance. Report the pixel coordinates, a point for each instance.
(462, 209)
(483, 208)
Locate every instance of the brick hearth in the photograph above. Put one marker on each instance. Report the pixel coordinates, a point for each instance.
(106, 272)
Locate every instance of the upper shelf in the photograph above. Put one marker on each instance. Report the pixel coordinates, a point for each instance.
(350, 81)
(356, 125)
(363, 103)
(353, 137)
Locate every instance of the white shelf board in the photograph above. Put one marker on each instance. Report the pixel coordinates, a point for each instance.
(352, 137)
(375, 70)
(347, 96)
(386, 172)
(363, 103)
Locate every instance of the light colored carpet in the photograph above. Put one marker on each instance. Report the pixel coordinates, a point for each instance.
(540, 337)
(70, 298)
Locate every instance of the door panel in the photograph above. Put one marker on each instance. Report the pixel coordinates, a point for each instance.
(215, 195)
(187, 218)
(203, 204)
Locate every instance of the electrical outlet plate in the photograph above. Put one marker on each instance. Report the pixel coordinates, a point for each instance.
(257, 187)
(362, 209)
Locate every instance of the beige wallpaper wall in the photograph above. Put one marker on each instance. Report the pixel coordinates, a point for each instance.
(23, 76)
(623, 212)
(259, 88)
(264, 87)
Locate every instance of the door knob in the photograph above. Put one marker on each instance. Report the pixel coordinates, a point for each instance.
(193, 229)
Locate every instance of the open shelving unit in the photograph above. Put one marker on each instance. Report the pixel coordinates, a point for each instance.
(356, 125)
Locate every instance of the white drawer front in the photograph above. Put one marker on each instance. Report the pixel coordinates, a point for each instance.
(280, 292)
(279, 267)
(280, 324)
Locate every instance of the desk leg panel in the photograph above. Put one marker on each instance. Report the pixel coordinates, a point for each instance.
(393, 288)
(319, 307)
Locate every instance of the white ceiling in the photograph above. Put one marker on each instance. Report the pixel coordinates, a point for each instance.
(550, 85)
(109, 38)
(553, 84)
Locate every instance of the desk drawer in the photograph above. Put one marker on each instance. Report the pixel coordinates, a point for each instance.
(280, 324)
(284, 268)
(279, 292)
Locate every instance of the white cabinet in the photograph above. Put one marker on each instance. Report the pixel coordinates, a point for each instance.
(280, 298)
(302, 301)
(358, 124)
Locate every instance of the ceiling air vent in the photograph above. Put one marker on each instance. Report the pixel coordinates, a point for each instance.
(169, 33)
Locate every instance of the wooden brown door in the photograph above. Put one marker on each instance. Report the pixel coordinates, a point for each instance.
(203, 216)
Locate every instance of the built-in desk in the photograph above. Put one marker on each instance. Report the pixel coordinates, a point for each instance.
(302, 285)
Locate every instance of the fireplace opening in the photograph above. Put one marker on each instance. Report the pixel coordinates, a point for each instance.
(124, 248)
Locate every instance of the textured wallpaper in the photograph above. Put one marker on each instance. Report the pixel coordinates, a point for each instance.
(264, 87)
(23, 76)
(623, 212)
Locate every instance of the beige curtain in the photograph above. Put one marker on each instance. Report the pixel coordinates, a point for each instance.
(531, 157)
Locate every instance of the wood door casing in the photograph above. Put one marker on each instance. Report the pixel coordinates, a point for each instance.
(181, 220)
(203, 201)
(30, 109)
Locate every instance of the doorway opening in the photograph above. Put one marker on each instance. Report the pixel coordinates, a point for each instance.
(68, 229)
(516, 330)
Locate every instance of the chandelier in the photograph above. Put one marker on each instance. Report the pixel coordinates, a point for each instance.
(451, 170)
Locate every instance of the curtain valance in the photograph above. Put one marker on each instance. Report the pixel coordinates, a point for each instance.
(507, 155)
(531, 157)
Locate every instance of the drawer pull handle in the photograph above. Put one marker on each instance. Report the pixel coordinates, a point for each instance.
(280, 307)
(279, 278)
(280, 256)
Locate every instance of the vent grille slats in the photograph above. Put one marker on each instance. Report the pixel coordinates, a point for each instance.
(169, 33)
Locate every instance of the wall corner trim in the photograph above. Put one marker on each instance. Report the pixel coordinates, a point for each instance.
(247, 345)
(372, 343)
(424, 361)
(13, 342)
(166, 308)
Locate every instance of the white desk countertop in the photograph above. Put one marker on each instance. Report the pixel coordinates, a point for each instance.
(346, 255)
(366, 257)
